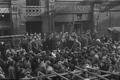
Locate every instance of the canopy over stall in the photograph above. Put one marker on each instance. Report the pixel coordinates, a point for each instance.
(114, 29)
(115, 33)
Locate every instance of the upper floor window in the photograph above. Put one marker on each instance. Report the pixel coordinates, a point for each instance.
(32, 2)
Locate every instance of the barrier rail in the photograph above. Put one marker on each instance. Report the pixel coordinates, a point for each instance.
(54, 74)
(44, 75)
(107, 72)
(91, 78)
(92, 73)
(74, 73)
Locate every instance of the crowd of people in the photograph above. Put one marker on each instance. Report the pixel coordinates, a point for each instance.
(57, 52)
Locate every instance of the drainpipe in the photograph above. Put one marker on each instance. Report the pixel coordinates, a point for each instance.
(110, 19)
(92, 17)
(48, 16)
(11, 20)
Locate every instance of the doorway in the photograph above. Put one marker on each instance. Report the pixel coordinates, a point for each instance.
(82, 27)
(34, 27)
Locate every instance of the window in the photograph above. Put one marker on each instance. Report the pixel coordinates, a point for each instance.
(32, 2)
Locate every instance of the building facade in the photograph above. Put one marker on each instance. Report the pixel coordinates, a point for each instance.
(29, 16)
(108, 18)
(73, 16)
(45, 16)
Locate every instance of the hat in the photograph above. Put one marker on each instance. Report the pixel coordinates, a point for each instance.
(98, 40)
(2, 43)
(85, 47)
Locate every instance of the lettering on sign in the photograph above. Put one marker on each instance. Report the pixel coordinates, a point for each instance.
(73, 7)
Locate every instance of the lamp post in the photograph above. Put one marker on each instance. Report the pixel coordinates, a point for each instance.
(51, 11)
(92, 16)
(109, 18)
(11, 15)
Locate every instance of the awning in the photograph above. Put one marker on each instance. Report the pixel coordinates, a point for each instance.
(4, 10)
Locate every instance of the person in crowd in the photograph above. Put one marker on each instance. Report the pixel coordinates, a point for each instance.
(58, 52)
(2, 74)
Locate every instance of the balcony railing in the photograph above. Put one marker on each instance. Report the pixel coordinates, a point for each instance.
(35, 10)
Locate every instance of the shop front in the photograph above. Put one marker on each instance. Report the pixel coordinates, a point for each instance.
(5, 22)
